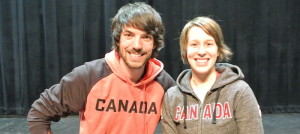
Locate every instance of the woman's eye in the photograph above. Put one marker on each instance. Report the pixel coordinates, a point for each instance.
(210, 44)
(193, 44)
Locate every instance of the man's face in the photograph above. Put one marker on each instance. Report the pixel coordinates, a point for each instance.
(135, 47)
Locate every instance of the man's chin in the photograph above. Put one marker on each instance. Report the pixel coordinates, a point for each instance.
(136, 66)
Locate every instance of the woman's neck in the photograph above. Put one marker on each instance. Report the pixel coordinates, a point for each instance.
(199, 81)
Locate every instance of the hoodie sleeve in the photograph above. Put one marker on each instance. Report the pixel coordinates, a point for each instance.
(60, 100)
(168, 125)
(248, 114)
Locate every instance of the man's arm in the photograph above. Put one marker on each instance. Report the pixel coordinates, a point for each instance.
(60, 100)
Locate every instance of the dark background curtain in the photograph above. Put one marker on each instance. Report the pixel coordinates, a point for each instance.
(42, 40)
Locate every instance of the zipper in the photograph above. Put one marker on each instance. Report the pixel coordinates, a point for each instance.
(200, 118)
(201, 110)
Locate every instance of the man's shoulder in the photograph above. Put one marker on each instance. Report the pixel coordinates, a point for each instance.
(97, 68)
(165, 80)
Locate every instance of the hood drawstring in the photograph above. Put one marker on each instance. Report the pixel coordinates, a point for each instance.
(214, 120)
(185, 110)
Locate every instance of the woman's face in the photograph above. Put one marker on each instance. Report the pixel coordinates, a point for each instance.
(202, 51)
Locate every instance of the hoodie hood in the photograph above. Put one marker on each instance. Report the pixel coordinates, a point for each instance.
(228, 74)
(153, 68)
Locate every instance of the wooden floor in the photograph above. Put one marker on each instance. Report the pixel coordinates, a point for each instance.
(273, 124)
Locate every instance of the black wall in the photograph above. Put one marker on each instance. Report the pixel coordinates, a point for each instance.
(42, 40)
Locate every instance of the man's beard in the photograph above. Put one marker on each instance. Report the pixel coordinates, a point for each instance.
(132, 64)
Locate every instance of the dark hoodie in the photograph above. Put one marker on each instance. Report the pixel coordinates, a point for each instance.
(237, 110)
(106, 100)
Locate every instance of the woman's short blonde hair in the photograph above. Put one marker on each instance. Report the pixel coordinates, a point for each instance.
(213, 29)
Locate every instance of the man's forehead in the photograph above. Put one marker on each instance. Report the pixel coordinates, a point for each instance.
(133, 30)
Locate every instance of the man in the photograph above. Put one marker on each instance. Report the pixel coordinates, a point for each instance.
(120, 93)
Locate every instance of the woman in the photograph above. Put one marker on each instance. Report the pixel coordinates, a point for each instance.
(210, 98)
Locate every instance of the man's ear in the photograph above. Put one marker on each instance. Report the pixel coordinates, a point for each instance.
(154, 46)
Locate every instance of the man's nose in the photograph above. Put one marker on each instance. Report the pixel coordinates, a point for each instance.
(137, 43)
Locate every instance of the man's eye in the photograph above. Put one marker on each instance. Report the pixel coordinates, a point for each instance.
(147, 37)
(128, 35)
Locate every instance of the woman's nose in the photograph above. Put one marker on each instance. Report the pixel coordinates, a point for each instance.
(202, 49)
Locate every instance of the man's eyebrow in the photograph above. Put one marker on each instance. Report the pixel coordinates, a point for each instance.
(126, 30)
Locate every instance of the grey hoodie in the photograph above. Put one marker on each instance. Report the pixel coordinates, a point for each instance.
(237, 110)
